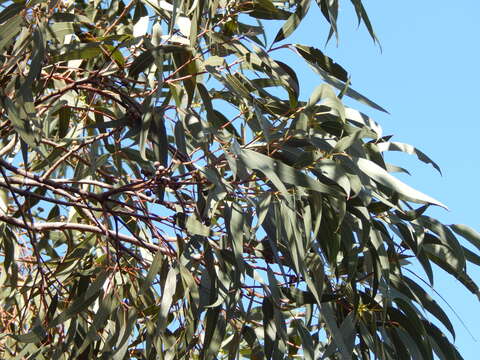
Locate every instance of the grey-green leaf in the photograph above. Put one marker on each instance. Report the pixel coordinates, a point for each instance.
(381, 176)
(281, 174)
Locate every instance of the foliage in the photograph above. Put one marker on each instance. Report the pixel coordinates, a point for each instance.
(166, 193)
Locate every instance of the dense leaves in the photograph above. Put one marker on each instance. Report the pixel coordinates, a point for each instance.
(166, 191)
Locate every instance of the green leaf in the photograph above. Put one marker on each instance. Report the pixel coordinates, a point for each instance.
(344, 143)
(236, 223)
(324, 93)
(412, 331)
(159, 138)
(58, 30)
(9, 30)
(293, 21)
(167, 299)
(445, 235)
(318, 58)
(81, 51)
(449, 351)
(147, 119)
(11, 10)
(337, 335)
(281, 174)
(213, 62)
(269, 327)
(335, 82)
(195, 227)
(347, 330)
(152, 271)
(36, 335)
(362, 15)
(413, 316)
(252, 340)
(446, 259)
(409, 149)
(307, 341)
(411, 215)
(127, 322)
(274, 228)
(381, 176)
(429, 304)
(107, 306)
(21, 125)
(360, 119)
(83, 302)
(330, 12)
(141, 63)
(215, 117)
(147, 58)
(8, 243)
(468, 233)
(214, 333)
(264, 9)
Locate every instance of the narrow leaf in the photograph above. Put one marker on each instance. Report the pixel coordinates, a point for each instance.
(383, 177)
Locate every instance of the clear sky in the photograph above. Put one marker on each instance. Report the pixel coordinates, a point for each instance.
(427, 77)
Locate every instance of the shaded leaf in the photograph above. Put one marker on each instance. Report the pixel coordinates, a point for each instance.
(279, 173)
(318, 58)
(293, 21)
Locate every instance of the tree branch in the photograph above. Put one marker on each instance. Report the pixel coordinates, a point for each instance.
(85, 228)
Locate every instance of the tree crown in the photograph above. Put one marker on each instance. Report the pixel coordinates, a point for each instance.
(167, 193)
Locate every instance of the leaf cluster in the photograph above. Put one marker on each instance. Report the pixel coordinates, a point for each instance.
(166, 192)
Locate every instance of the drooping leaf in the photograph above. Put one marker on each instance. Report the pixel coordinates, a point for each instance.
(409, 149)
(281, 174)
(468, 233)
(318, 58)
(293, 21)
(383, 177)
(9, 29)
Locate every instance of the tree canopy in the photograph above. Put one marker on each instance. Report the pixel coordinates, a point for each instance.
(166, 193)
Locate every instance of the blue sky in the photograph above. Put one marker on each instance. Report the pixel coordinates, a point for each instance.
(426, 76)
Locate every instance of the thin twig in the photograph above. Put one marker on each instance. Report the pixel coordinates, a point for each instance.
(60, 226)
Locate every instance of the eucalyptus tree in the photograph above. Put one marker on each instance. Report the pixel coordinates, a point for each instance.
(167, 194)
